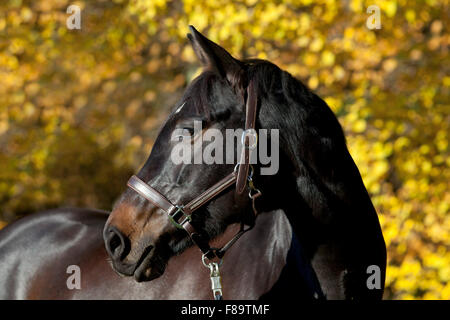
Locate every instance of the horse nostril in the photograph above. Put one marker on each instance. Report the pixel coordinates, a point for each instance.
(117, 244)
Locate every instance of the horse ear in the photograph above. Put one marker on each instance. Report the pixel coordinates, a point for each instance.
(215, 57)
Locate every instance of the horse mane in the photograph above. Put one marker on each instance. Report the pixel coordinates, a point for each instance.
(309, 131)
(270, 81)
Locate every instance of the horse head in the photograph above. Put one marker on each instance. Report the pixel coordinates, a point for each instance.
(316, 182)
(138, 235)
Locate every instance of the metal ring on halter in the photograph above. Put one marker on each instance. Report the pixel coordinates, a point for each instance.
(257, 193)
(207, 265)
(250, 175)
(250, 132)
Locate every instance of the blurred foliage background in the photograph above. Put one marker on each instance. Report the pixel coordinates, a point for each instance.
(80, 109)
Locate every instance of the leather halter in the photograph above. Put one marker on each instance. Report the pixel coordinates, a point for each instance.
(180, 215)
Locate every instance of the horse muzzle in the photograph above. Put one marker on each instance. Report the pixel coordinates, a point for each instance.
(147, 267)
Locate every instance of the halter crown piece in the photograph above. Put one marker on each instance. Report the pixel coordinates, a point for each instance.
(180, 215)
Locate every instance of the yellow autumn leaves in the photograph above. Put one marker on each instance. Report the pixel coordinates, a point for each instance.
(85, 106)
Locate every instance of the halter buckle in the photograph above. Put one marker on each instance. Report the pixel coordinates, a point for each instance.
(175, 217)
(249, 133)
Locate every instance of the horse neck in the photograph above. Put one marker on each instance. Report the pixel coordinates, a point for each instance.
(251, 266)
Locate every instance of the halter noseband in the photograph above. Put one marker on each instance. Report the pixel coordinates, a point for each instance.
(180, 215)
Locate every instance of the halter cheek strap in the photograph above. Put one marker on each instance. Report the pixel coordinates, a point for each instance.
(180, 215)
(247, 148)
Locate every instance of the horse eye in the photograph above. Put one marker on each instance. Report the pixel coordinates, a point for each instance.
(181, 134)
(188, 131)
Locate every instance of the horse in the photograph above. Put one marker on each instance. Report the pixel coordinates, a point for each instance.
(309, 231)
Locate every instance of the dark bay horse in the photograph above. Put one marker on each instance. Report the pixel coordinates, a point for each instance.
(316, 230)
(37, 250)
